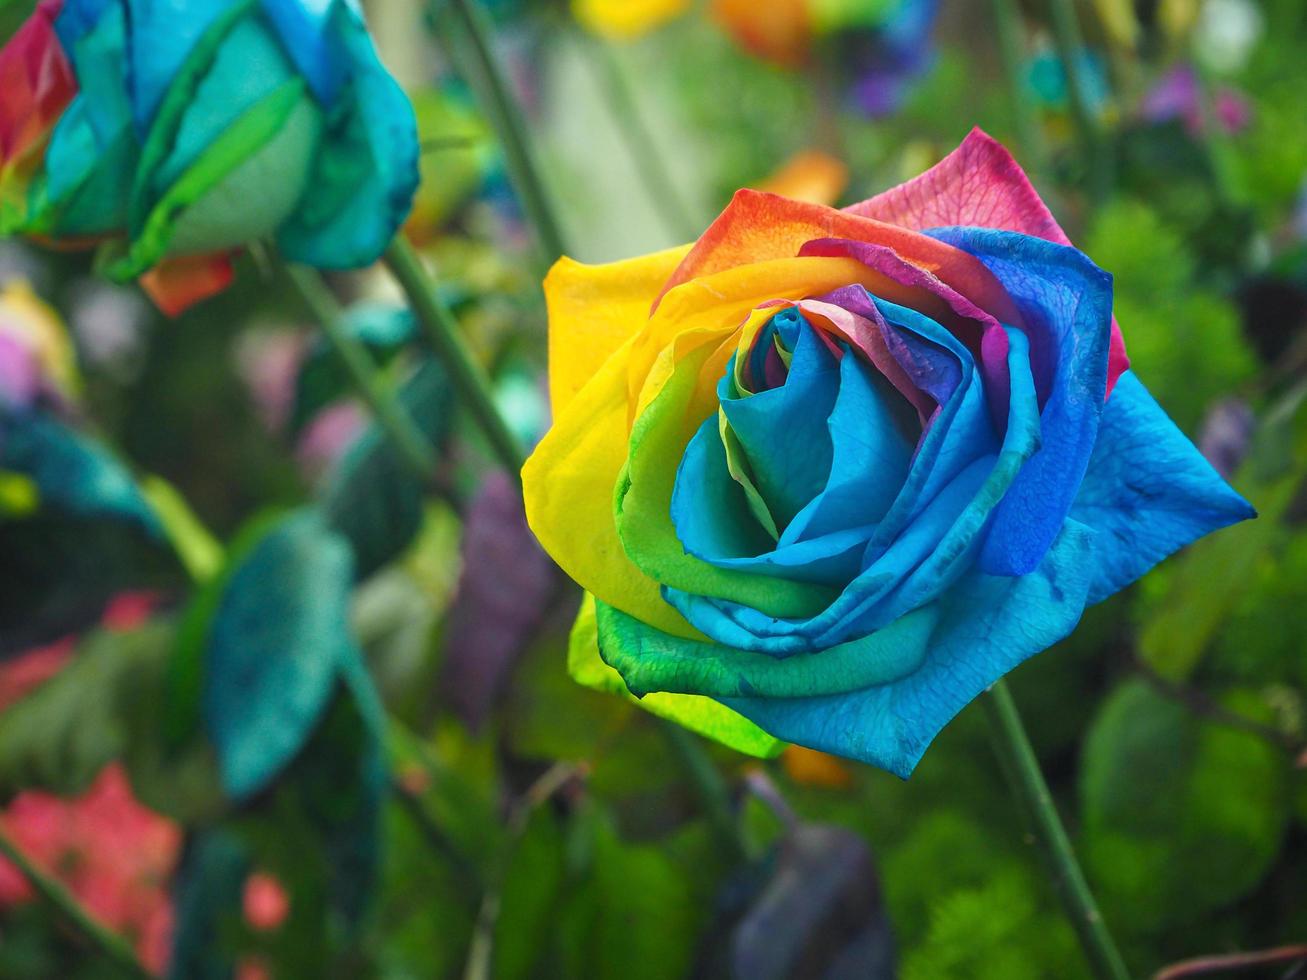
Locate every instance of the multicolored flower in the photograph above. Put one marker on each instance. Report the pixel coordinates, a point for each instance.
(828, 474)
(180, 132)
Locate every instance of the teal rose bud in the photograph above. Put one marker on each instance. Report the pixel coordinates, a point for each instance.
(173, 134)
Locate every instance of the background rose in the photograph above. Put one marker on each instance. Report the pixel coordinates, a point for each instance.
(835, 472)
(184, 130)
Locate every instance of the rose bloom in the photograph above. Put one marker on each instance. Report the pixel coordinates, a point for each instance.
(827, 475)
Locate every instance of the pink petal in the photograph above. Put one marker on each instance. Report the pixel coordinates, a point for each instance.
(981, 185)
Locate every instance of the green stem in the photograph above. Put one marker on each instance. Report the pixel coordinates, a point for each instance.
(1007, 20)
(114, 947)
(491, 84)
(488, 77)
(397, 424)
(709, 784)
(1022, 768)
(442, 333)
(1067, 38)
(645, 152)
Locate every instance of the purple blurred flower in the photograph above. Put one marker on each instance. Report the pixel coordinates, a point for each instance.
(1226, 433)
(1178, 95)
(889, 58)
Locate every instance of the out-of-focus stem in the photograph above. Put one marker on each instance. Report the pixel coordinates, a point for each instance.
(395, 422)
(645, 152)
(1007, 22)
(491, 84)
(1070, 45)
(113, 946)
(442, 333)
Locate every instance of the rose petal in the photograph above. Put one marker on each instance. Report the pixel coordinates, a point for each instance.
(1148, 485)
(756, 227)
(981, 185)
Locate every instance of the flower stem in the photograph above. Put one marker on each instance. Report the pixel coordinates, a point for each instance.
(395, 422)
(708, 783)
(1007, 20)
(491, 84)
(1022, 769)
(114, 947)
(442, 333)
(645, 152)
(1070, 45)
(507, 120)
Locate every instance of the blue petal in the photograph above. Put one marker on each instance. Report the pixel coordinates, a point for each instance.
(367, 170)
(304, 27)
(161, 36)
(1148, 492)
(990, 624)
(1066, 302)
(783, 430)
(921, 563)
(870, 455)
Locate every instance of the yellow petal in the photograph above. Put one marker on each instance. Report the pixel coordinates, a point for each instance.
(593, 310)
(625, 19)
(568, 484)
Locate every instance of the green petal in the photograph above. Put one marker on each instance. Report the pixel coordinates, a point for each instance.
(699, 714)
(227, 198)
(644, 503)
(650, 660)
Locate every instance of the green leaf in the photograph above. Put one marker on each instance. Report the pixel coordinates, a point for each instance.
(279, 640)
(105, 705)
(529, 898)
(371, 496)
(73, 474)
(633, 917)
(1187, 601)
(1181, 815)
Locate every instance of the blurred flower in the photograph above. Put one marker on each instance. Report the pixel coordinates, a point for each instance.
(885, 44)
(180, 132)
(36, 355)
(108, 321)
(812, 768)
(1226, 33)
(459, 159)
(811, 176)
(1178, 95)
(1047, 83)
(327, 436)
(780, 31)
(827, 474)
(1226, 434)
(112, 853)
(264, 902)
(626, 19)
(26, 672)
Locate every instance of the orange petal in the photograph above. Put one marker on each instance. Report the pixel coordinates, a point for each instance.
(177, 284)
(757, 226)
(811, 176)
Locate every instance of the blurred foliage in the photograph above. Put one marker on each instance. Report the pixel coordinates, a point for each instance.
(299, 721)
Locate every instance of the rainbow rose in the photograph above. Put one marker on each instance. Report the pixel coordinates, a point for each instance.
(829, 474)
(182, 131)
